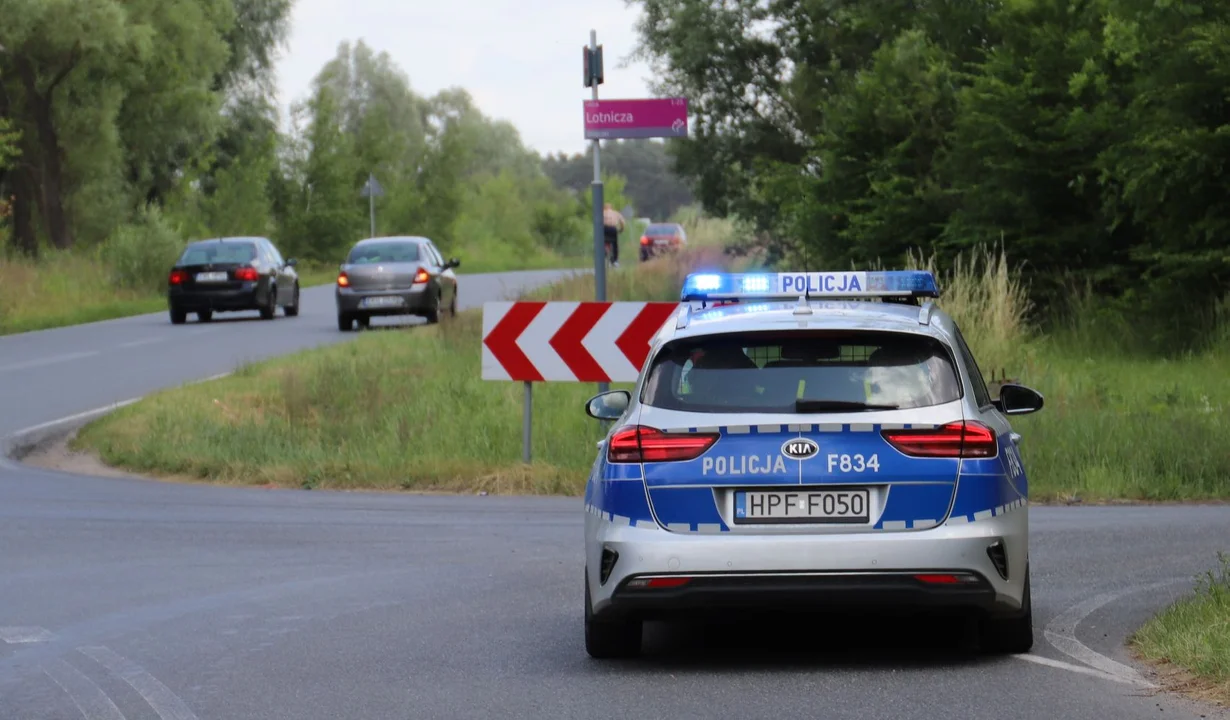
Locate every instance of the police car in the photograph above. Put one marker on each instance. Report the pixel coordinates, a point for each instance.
(808, 440)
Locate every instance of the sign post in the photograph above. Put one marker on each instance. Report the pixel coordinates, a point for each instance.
(594, 76)
(372, 190)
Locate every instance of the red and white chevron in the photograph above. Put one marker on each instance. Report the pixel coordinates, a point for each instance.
(569, 341)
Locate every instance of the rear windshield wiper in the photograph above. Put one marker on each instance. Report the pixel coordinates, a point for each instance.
(806, 406)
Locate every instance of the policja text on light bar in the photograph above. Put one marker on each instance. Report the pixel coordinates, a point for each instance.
(888, 283)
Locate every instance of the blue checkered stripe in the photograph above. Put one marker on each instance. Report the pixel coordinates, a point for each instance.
(622, 495)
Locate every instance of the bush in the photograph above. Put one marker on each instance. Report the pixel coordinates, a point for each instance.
(140, 254)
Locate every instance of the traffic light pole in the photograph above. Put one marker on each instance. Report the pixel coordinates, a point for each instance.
(594, 78)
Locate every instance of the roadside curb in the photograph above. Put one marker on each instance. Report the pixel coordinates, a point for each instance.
(22, 443)
(16, 446)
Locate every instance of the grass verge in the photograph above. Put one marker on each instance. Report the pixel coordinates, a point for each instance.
(1190, 640)
(408, 410)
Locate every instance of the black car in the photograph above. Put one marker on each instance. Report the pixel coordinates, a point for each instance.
(229, 275)
(395, 276)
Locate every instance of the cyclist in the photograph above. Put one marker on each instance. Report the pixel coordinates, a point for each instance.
(612, 226)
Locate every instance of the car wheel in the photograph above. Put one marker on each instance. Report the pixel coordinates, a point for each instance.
(271, 305)
(365, 322)
(178, 317)
(433, 315)
(205, 316)
(610, 639)
(452, 305)
(345, 322)
(1011, 635)
(292, 310)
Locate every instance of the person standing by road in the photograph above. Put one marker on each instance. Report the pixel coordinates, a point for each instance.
(612, 225)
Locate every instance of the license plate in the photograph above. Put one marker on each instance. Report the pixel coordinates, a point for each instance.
(662, 241)
(211, 277)
(385, 301)
(802, 506)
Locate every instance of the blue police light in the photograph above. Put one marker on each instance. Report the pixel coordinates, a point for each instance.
(791, 285)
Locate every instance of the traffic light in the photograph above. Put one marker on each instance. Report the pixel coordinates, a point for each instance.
(593, 66)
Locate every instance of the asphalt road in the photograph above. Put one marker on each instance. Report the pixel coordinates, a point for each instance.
(124, 599)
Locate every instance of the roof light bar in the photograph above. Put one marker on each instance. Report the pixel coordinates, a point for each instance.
(791, 285)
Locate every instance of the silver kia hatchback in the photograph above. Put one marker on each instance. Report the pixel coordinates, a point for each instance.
(808, 441)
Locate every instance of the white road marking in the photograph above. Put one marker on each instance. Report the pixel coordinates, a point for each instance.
(54, 359)
(1060, 632)
(167, 704)
(1073, 668)
(93, 703)
(20, 635)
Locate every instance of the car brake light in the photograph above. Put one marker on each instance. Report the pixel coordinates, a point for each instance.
(961, 439)
(644, 239)
(247, 274)
(343, 280)
(421, 276)
(637, 443)
(178, 277)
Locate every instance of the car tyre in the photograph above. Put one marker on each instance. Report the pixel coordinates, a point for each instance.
(433, 315)
(292, 310)
(178, 317)
(205, 316)
(345, 322)
(271, 305)
(1011, 635)
(365, 322)
(452, 305)
(610, 639)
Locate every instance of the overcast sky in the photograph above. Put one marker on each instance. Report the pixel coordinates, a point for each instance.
(519, 59)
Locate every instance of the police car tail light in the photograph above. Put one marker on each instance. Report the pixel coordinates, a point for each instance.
(421, 276)
(946, 579)
(343, 280)
(637, 443)
(961, 439)
(178, 277)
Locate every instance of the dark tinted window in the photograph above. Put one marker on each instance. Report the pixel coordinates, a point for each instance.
(767, 372)
(653, 230)
(219, 252)
(384, 252)
(981, 394)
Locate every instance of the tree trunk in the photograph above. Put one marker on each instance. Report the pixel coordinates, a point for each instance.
(54, 216)
(23, 187)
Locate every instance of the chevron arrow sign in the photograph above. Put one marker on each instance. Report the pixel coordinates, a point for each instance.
(569, 341)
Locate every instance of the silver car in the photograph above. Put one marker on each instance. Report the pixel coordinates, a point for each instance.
(395, 276)
(814, 441)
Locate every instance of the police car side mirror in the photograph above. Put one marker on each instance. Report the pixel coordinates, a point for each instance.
(608, 405)
(1018, 400)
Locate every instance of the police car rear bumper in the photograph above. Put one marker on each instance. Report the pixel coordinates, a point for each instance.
(659, 573)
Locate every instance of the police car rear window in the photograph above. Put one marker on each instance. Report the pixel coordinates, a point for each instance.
(772, 372)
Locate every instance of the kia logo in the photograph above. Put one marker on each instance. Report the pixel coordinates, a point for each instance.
(800, 448)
